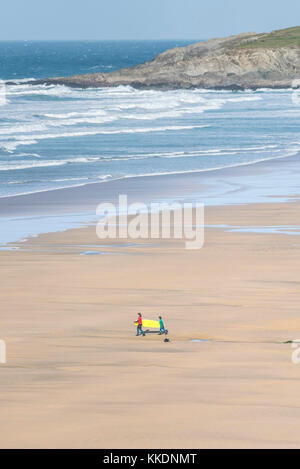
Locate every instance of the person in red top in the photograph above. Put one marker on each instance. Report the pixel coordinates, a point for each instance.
(139, 329)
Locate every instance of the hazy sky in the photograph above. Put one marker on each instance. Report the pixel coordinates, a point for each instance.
(142, 19)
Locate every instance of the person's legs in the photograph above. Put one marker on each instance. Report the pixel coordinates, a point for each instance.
(139, 330)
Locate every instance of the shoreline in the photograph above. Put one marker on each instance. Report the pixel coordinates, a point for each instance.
(29, 215)
(68, 82)
(264, 164)
(48, 82)
(151, 175)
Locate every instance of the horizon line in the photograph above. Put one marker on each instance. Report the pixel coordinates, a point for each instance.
(89, 40)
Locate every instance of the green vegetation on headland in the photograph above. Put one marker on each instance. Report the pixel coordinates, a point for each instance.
(288, 37)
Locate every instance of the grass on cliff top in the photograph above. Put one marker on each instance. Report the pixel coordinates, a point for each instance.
(288, 37)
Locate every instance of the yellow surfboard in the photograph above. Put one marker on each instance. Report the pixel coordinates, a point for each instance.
(149, 323)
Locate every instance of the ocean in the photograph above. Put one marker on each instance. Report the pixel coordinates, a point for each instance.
(53, 136)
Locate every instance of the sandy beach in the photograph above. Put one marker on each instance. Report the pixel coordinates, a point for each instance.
(173, 128)
(77, 376)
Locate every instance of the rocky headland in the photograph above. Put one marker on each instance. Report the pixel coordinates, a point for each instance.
(244, 61)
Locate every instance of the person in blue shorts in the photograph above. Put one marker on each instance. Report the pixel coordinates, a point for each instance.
(162, 329)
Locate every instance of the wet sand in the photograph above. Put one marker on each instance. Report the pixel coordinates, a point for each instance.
(249, 183)
(77, 377)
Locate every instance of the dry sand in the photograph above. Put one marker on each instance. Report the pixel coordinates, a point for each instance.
(77, 377)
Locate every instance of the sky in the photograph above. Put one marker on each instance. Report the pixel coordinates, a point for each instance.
(142, 19)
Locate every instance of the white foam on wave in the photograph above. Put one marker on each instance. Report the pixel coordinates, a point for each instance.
(229, 166)
(32, 139)
(18, 166)
(10, 147)
(196, 153)
(19, 80)
(84, 120)
(43, 90)
(83, 160)
(92, 117)
(27, 128)
(67, 115)
(112, 105)
(139, 156)
(104, 177)
(242, 99)
(109, 177)
(71, 179)
(22, 154)
(43, 164)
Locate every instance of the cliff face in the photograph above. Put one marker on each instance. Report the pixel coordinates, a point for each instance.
(245, 61)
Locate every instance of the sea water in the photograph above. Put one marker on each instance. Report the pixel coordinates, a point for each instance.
(55, 136)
